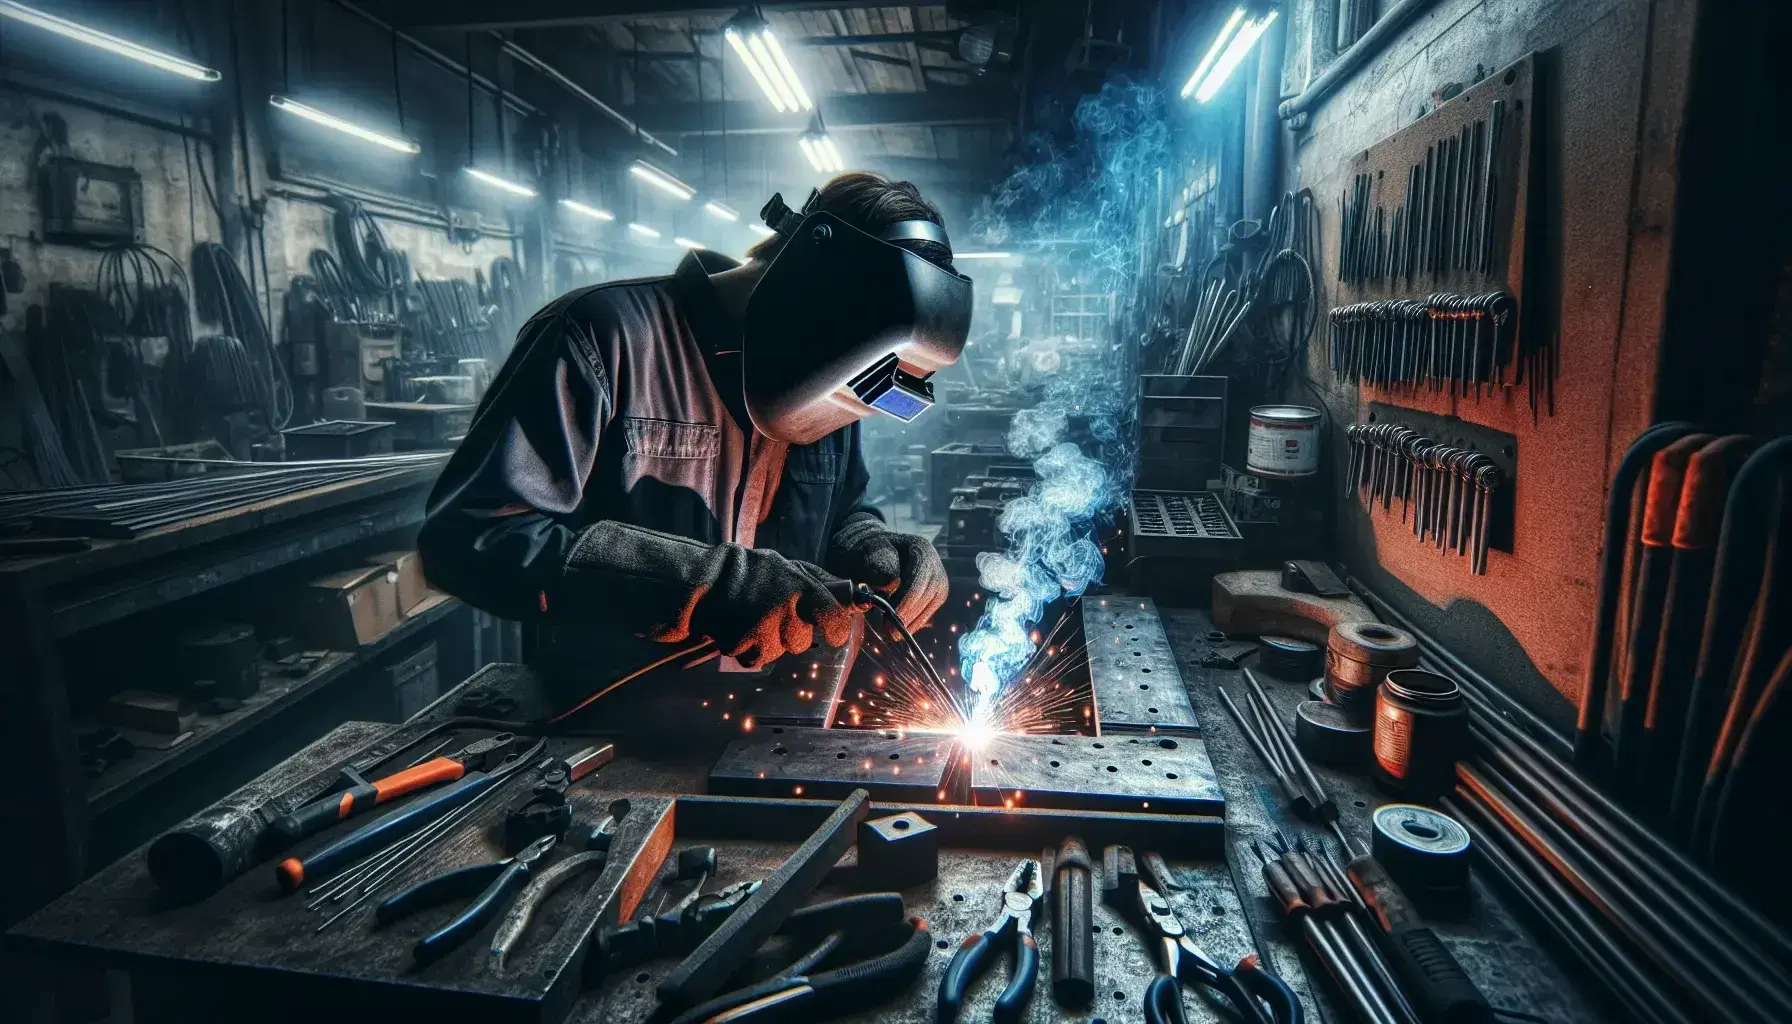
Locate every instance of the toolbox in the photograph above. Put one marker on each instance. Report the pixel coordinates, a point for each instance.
(344, 610)
(338, 439)
(411, 683)
(422, 424)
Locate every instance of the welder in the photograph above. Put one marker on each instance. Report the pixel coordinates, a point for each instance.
(674, 458)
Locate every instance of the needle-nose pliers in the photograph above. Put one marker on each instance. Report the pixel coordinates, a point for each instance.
(1020, 896)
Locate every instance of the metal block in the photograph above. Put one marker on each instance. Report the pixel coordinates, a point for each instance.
(831, 763)
(1137, 686)
(1161, 774)
(898, 851)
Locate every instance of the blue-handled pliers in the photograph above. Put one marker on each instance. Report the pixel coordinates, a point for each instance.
(494, 883)
(1020, 896)
(1259, 996)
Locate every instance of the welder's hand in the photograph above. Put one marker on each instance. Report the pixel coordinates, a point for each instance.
(765, 606)
(900, 564)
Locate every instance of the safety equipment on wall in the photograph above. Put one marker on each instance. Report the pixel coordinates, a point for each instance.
(845, 322)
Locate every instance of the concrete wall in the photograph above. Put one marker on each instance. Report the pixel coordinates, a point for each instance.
(1612, 114)
(177, 213)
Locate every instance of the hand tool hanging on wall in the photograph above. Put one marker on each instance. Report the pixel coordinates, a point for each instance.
(1758, 507)
(1590, 753)
(1252, 990)
(1649, 592)
(1694, 539)
(1448, 491)
(1444, 343)
(1020, 897)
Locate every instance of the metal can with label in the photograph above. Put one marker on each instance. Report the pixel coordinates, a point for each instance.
(1283, 441)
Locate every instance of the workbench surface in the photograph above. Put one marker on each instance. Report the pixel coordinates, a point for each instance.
(246, 943)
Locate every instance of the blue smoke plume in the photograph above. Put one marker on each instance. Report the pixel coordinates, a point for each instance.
(1088, 205)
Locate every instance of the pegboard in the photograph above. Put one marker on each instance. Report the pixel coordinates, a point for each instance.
(1397, 238)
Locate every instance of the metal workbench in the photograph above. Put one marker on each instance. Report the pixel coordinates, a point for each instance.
(246, 952)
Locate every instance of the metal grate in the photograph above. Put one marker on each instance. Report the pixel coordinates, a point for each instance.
(1192, 514)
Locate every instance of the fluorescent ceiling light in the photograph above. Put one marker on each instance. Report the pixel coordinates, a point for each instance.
(1213, 72)
(1213, 52)
(789, 73)
(108, 42)
(643, 230)
(721, 212)
(331, 121)
(661, 180)
(980, 256)
(758, 48)
(819, 147)
(502, 184)
(587, 210)
(688, 243)
(739, 42)
(761, 230)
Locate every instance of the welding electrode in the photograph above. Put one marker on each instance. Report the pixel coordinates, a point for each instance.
(1073, 917)
(1441, 989)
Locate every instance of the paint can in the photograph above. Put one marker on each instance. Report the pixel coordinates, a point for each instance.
(1283, 441)
(1421, 728)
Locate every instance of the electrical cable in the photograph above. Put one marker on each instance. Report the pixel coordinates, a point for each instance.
(225, 297)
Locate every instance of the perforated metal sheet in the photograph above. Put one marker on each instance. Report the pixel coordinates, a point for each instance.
(1105, 773)
(791, 761)
(1133, 673)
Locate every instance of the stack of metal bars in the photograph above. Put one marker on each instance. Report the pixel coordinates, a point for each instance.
(122, 511)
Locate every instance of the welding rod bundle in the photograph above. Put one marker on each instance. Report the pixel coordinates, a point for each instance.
(1430, 979)
(1669, 943)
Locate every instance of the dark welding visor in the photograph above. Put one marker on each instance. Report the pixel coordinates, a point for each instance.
(845, 323)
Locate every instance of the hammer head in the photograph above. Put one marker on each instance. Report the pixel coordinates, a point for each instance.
(695, 862)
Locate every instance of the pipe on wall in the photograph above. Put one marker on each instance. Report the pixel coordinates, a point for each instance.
(1263, 129)
(1383, 32)
(554, 74)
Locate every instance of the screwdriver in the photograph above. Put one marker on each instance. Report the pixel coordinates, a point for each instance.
(1354, 984)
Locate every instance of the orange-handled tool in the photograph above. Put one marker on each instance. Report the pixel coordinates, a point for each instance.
(362, 795)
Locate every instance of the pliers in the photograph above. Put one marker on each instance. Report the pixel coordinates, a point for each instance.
(493, 882)
(1020, 896)
(1249, 987)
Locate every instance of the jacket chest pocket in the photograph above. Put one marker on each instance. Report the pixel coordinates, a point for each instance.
(671, 439)
(811, 465)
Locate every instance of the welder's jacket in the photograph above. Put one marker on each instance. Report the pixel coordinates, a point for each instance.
(622, 402)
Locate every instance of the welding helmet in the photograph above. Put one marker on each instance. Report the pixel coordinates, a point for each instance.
(845, 323)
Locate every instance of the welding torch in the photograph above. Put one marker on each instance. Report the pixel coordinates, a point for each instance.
(860, 597)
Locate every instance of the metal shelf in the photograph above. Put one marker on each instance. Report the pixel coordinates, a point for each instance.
(149, 767)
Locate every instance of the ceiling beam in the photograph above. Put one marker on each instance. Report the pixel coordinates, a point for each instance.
(841, 113)
(483, 14)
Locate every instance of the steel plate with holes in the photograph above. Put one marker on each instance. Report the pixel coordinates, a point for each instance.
(1138, 688)
(790, 761)
(1104, 773)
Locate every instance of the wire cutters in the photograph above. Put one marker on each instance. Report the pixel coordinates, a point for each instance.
(493, 883)
(1020, 896)
(1249, 987)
